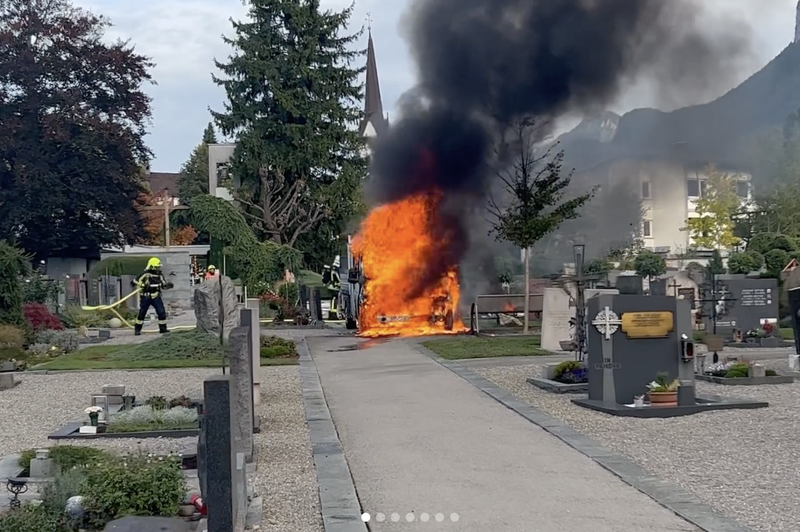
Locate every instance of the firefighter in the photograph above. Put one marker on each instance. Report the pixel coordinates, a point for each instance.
(333, 283)
(150, 284)
(211, 272)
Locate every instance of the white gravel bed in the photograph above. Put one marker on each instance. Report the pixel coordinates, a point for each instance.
(286, 477)
(741, 462)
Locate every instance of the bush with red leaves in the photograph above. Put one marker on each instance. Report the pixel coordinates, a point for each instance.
(39, 318)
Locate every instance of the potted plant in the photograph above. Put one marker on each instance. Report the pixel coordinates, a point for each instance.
(94, 414)
(663, 392)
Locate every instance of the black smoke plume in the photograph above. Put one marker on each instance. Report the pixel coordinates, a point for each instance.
(481, 64)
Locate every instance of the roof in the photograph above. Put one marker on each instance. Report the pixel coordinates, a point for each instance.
(373, 104)
(716, 132)
(161, 181)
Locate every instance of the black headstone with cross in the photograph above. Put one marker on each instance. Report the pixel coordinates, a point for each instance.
(631, 340)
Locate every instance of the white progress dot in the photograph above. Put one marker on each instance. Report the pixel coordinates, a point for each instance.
(454, 517)
(410, 517)
(424, 518)
(439, 518)
(365, 517)
(395, 517)
(380, 518)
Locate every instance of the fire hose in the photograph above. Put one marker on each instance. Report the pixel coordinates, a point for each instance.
(113, 308)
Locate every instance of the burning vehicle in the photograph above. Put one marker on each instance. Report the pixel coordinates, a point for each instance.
(392, 288)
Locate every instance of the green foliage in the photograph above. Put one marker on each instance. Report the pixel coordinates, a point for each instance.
(713, 228)
(715, 264)
(157, 402)
(649, 264)
(785, 243)
(12, 336)
(193, 178)
(256, 262)
(74, 317)
(535, 190)
(745, 262)
(154, 417)
(14, 263)
(187, 345)
(776, 260)
(293, 97)
(66, 457)
(31, 518)
(118, 266)
(565, 367)
(73, 129)
(38, 288)
(737, 371)
(60, 342)
(134, 485)
(276, 347)
(598, 267)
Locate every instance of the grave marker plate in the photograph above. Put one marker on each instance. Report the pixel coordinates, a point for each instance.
(641, 325)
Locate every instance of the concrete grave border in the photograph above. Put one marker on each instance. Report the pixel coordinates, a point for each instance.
(746, 381)
(339, 504)
(70, 432)
(665, 493)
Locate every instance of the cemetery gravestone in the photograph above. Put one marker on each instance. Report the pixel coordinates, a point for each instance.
(250, 318)
(631, 340)
(630, 285)
(658, 287)
(241, 363)
(743, 304)
(557, 310)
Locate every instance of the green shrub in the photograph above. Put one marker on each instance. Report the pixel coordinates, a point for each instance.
(771, 373)
(14, 263)
(566, 367)
(147, 418)
(699, 336)
(157, 402)
(74, 317)
(63, 341)
(133, 485)
(12, 336)
(737, 371)
(67, 456)
(30, 518)
(184, 345)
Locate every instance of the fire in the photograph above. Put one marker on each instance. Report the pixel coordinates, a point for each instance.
(398, 247)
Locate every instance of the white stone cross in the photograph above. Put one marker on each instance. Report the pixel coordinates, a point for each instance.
(607, 322)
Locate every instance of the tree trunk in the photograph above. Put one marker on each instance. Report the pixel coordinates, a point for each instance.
(527, 306)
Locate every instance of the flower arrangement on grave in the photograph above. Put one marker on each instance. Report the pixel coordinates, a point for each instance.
(663, 392)
(571, 372)
(734, 370)
(94, 414)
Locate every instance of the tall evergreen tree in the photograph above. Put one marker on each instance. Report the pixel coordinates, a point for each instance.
(193, 179)
(73, 117)
(293, 104)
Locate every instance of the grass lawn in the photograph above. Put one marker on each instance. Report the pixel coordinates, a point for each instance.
(464, 347)
(101, 357)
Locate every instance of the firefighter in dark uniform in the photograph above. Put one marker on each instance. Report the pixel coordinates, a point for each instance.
(150, 284)
(332, 281)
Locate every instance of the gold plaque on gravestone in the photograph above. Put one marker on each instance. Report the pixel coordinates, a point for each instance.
(638, 325)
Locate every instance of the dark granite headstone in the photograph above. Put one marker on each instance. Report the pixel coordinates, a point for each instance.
(658, 287)
(620, 365)
(742, 304)
(630, 285)
(316, 306)
(148, 524)
(240, 359)
(225, 470)
(794, 302)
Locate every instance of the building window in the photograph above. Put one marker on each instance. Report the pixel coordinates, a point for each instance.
(742, 188)
(647, 230)
(693, 188)
(645, 189)
(703, 187)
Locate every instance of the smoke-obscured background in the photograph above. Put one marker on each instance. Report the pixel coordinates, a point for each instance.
(483, 63)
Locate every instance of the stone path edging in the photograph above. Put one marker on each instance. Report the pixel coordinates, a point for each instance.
(665, 493)
(341, 510)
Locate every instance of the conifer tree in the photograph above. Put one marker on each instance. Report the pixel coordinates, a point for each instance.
(193, 179)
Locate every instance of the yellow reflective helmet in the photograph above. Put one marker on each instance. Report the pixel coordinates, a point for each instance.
(153, 264)
(212, 268)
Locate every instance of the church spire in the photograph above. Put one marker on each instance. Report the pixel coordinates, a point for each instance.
(374, 121)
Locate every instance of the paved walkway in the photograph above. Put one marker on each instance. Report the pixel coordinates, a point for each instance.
(419, 439)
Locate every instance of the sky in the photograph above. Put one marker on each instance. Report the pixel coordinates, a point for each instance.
(184, 36)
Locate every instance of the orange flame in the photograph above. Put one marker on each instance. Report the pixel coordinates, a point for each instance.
(396, 246)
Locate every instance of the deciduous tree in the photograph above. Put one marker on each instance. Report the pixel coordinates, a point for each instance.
(292, 99)
(649, 265)
(713, 228)
(154, 225)
(73, 117)
(534, 204)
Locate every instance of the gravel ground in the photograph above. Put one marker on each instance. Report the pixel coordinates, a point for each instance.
(741, 462)
(286, 477)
